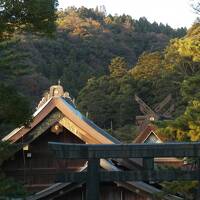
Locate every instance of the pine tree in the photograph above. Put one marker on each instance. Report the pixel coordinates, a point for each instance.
(118, 67)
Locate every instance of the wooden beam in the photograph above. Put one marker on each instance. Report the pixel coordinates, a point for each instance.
(149, 175)
(85, 151)
(136, 175)
(75, 177)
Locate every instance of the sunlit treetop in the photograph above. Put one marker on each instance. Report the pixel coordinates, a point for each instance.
(189, 46)
(149, 66)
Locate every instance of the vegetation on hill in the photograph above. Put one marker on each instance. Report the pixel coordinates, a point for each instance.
(85, 42)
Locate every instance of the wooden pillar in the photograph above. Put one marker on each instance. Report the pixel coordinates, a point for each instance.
(148, 163)
(93, 179)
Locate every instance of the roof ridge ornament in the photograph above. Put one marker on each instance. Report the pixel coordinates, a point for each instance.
(54, 92)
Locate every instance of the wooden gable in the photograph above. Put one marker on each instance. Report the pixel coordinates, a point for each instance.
(148, 131)
(152, 138)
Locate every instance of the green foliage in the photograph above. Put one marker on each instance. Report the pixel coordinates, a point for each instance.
(190, 45)
(181, 60)
(186, 189)
(14, 108)
(8, 66)
(143, 25)
(149, 66)
(10, 189)
(186, 127)
(118, 67)
(19, 17)
(190, 88)
(109, 101)
(110, 104)
(126, 133)
(6, 150)
(154, 76)
(33, 16)
(176, 63)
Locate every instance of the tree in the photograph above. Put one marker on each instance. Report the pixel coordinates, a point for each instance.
(187, 125)
(36, 16)
(118, 67)
(17, 16)
(6, 150)
(196, 6)
(149, 66)
(29, 15)
(186, 189)
(189, 46)
(177, 62)
(190, 88)
(8, 187)
(95, 99)
(109, 102)
(14, 108)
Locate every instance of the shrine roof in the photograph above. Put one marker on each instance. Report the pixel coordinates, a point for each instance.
(145, 132)
(66, 106)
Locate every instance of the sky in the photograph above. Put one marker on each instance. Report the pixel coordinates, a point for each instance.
(176, 13)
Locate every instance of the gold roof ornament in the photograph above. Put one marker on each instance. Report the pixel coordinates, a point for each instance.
(57, 129)
(54, 92)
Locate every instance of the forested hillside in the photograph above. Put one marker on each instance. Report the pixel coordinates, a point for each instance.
(82, 47)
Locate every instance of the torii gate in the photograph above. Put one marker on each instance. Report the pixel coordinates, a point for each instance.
(93, 153)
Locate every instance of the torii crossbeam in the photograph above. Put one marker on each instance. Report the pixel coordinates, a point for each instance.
(93, 153)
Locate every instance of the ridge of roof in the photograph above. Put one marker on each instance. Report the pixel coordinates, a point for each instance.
(66, 108)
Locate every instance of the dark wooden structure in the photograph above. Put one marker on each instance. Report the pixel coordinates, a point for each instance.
(93, 153)
(37, 167)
